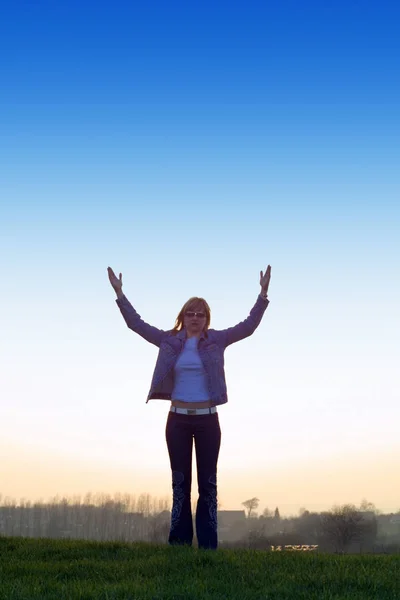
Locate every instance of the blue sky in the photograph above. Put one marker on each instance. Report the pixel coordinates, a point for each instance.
(189, 147)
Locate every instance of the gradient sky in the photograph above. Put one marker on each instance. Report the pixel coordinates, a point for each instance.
(188, 147)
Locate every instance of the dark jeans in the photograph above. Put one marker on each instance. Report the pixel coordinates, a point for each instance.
(180, 431)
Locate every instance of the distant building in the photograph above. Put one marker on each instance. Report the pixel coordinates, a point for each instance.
(231, 525)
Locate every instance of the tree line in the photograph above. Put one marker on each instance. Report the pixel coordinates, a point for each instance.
(127, 518)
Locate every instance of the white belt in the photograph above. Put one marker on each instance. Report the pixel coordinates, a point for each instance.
(193, 411)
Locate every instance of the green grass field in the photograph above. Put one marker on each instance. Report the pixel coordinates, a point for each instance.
(44, 569)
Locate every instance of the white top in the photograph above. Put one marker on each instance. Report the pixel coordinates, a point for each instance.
(190, 376)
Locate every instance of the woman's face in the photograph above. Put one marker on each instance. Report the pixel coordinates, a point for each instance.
(194, 320)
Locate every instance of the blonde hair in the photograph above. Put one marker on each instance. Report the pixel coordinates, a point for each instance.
(190, 304)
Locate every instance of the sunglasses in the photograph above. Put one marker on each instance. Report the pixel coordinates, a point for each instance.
(191, 314)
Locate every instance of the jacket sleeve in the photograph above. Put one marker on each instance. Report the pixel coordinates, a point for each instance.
(247, 327)
(136, 323)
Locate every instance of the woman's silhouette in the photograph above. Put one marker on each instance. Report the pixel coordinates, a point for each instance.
(189, 372)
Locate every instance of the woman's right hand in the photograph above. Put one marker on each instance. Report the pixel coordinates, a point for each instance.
(115, 282)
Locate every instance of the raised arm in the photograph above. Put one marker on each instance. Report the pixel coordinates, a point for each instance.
(247, 327)
(132, 318)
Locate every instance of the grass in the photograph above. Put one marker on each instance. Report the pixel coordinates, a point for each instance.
(46, 569)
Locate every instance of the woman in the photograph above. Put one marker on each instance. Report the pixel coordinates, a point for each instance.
(189, 372)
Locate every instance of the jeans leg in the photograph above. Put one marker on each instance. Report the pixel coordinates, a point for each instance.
(179, 436)
(207, 438)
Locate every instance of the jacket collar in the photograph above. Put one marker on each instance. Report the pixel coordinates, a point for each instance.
(181, 335)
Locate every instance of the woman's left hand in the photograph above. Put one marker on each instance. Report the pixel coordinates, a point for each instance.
(264, 279)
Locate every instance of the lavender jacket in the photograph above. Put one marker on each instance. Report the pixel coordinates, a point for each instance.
(211, 347)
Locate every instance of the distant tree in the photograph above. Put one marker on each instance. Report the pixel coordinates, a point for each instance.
(369, 506)
(251, 504)
(158, 528)
(308, 527)
(163, 504)
(87, 500)
(267, 513)
(342, 526)
(277, 516)
(144, 504)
